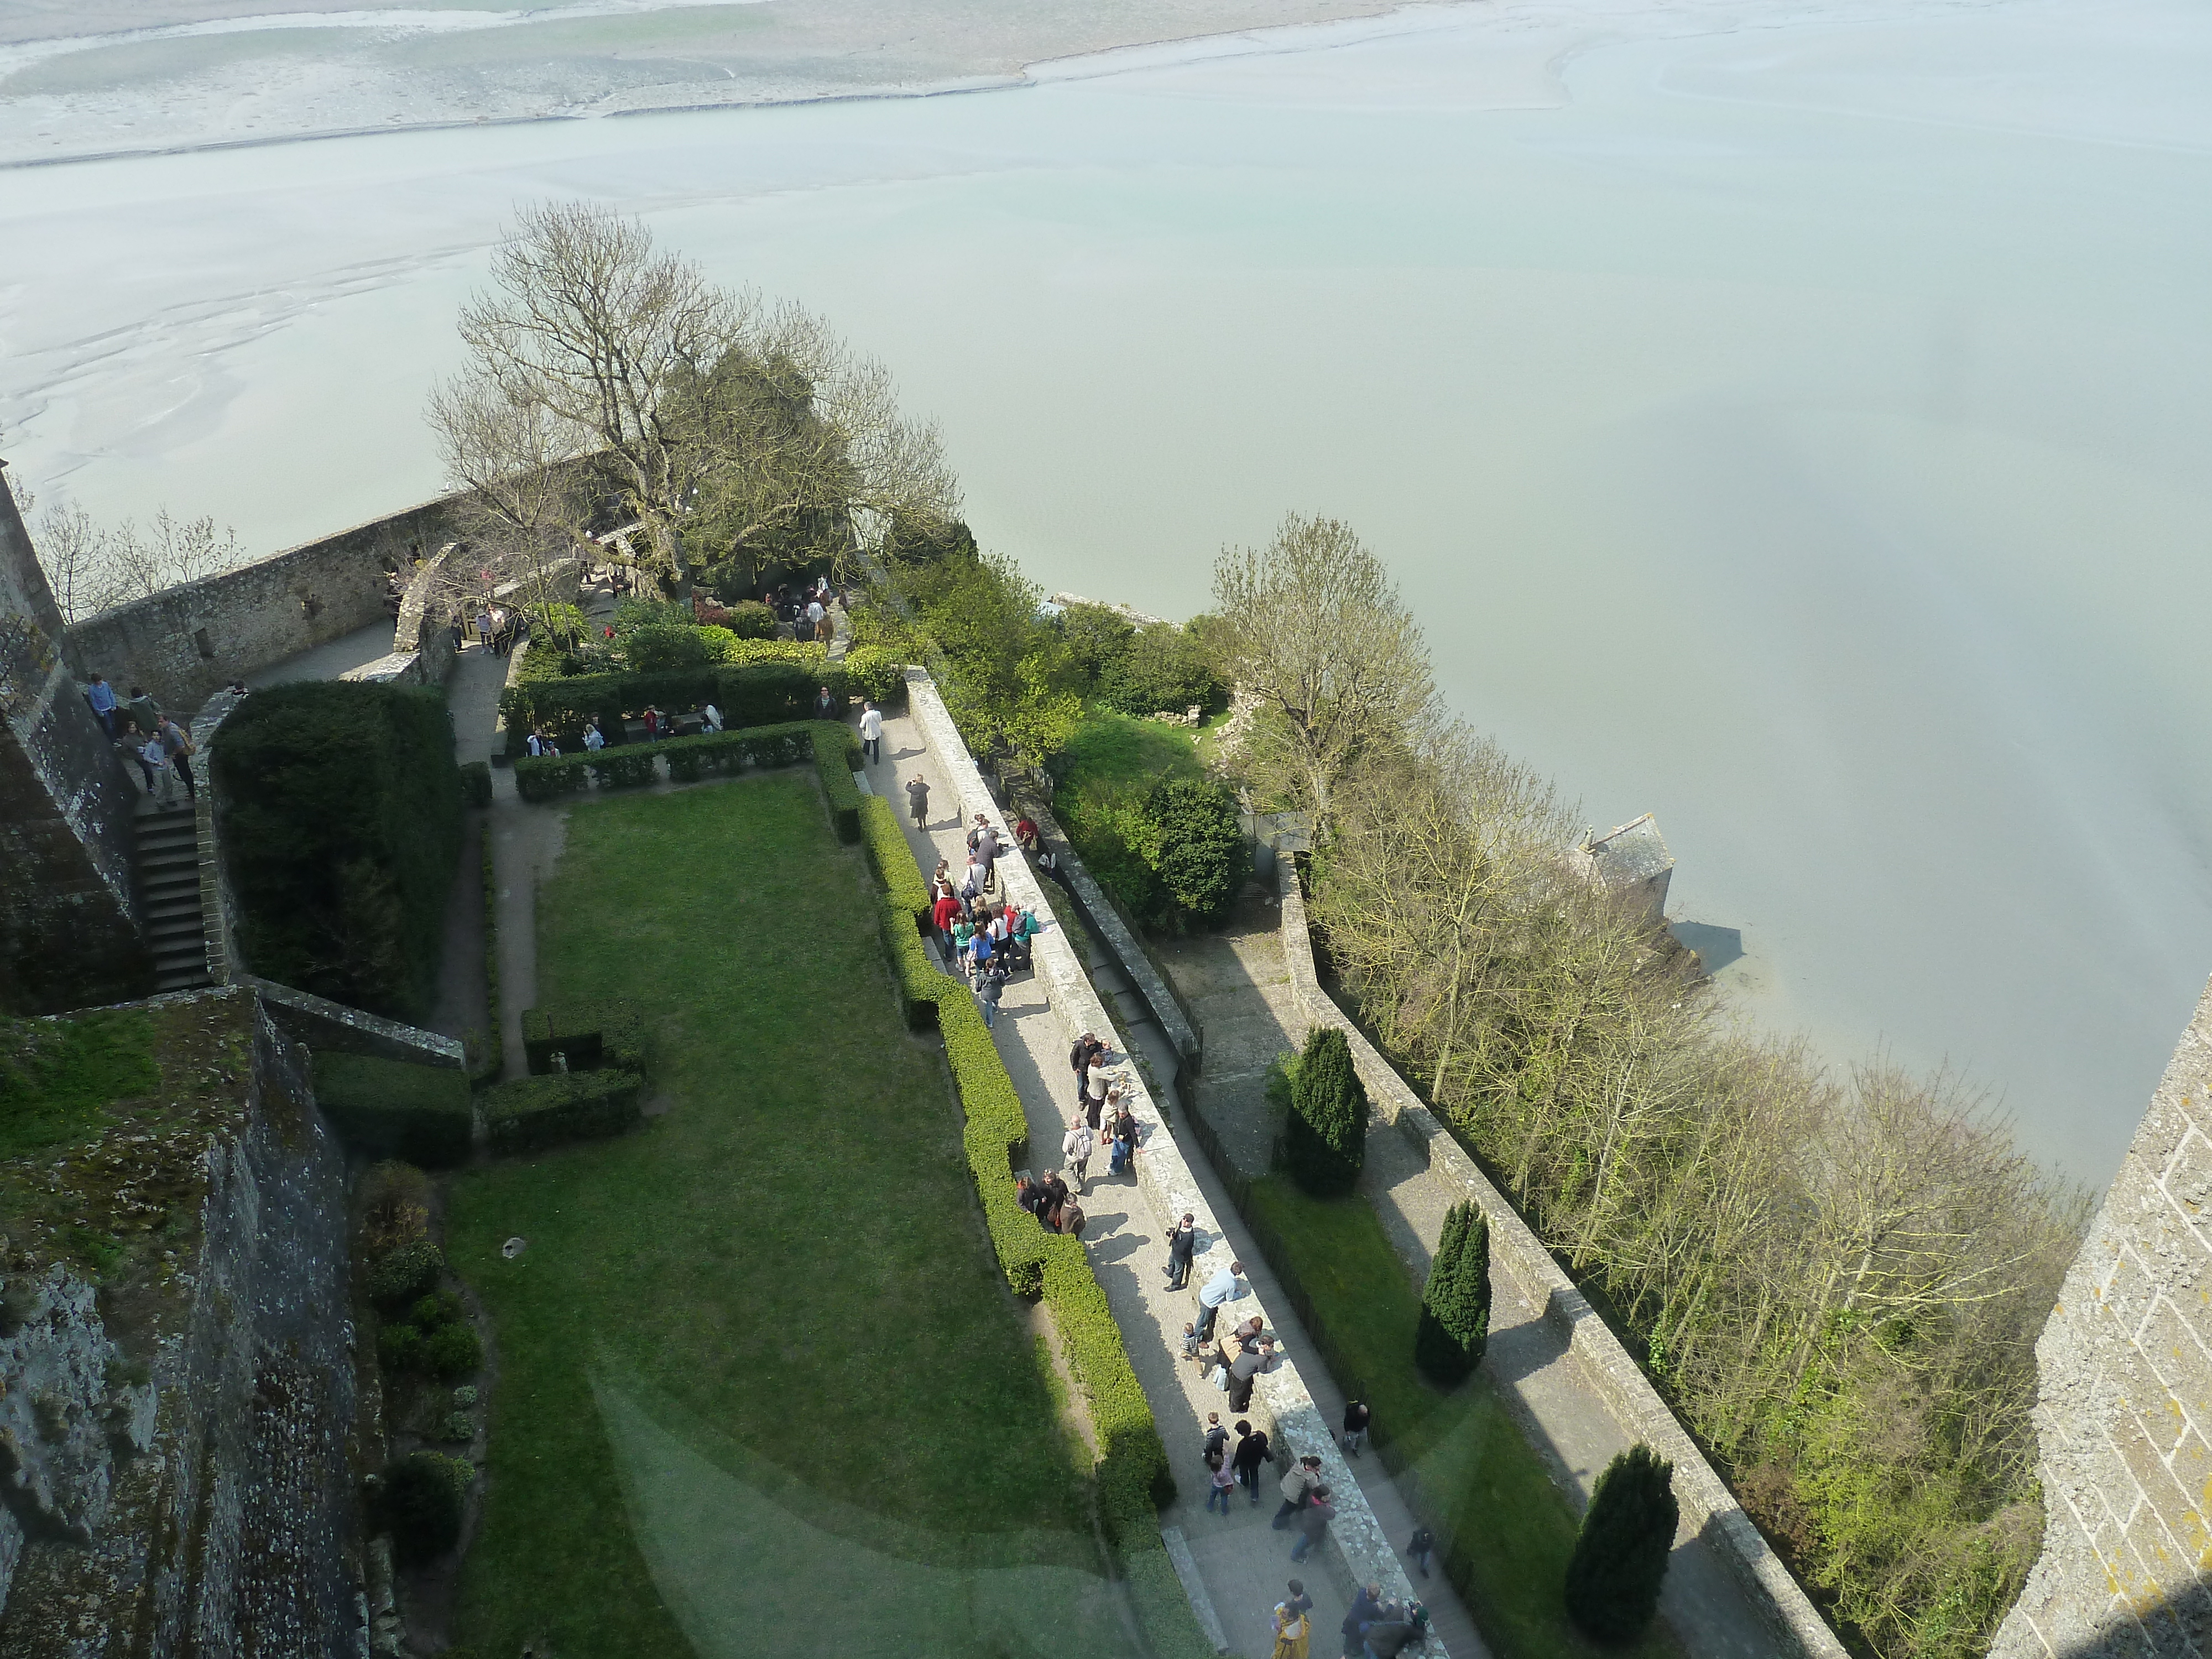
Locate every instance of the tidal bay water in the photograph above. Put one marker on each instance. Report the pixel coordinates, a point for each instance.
(1791, 422)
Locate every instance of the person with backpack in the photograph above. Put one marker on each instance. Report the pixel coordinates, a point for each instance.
(1220, 1481)
(990, 987)
(1075, 1149)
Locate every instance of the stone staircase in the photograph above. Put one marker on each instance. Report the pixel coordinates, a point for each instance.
(166, 858)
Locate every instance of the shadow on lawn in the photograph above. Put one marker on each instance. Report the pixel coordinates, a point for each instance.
(748, 1560)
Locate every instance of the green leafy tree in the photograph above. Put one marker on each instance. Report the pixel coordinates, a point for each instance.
(1202, 858)
(1620, 1554)
(1160, 669)
(1454, 1327)
(1325, 1132)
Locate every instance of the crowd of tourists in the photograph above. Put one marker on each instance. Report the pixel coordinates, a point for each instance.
(138, 727)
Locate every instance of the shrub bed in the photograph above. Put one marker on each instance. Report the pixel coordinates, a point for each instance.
(395, 1109)
(535, 1112)
(542, 778)
(342, 824)
(757, 693)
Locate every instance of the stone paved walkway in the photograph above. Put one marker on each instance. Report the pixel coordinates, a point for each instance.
(1236, 982)
(1243, 1564)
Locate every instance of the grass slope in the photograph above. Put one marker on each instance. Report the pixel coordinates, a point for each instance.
(1514, 1528)
(791, 1258)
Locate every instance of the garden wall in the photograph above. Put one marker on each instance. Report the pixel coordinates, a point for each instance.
(1709, 1509)
(1298, 1427)
(188, 641)
(215, 1497)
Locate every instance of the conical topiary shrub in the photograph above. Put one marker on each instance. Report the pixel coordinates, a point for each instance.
(1325, 1131)
(1454, 1327)
(1620, 1554)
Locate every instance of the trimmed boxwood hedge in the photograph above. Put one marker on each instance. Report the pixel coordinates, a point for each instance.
(394, 1107)
(831, 745)
(609, 1034)
(534, 1112)
(341, 808)
(753, 694)
(1133, 1476)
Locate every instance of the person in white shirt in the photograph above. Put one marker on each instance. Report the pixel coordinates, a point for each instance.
(712, 715)
(871, 733)
(594, 739)
(1076, 1147)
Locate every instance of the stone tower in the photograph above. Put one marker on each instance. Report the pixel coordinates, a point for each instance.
(69, 925)
(2124, 1408)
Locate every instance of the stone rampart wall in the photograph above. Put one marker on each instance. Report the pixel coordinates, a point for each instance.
(189, 639)
(1297, 1425)
(2124, 1409)
(1709, 1508)
(68, 930)
(215, 1501)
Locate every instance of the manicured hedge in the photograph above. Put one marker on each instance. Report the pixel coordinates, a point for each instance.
(534, 1112)
(832, 746)
(341, 811)
(395, 1109)
(539, 778)
(872, 673)
(1133, 1475)
(607, 1034)
(476, 783)
(748, 694)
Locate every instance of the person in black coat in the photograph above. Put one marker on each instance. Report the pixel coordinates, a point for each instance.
(1182, 1245)
(1251, 1457)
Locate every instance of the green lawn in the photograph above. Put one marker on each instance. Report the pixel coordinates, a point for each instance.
(1118, 752)
(760, 1387)
(1514, 1528)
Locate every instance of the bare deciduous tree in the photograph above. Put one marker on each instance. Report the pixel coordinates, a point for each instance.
(1313, 626)
(732, 428)
(92, 567)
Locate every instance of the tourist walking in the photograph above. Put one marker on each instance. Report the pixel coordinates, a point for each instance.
(145, 713)
(983, 842)
(1422, 1547)
(711, 716)
(594, 739)
(1220, 1482)
(1299, 1485)
(1313, 1522)
(917, 795)
(1075, 1149)
(483, 628)
(101, 695)
(1292, 1629)
(1218, 1290)
(1355, 1426)
(871, 733)
(1182, 1245)
(1216, 1439)
(989, 988)
(178, 746)
(1252, 1453)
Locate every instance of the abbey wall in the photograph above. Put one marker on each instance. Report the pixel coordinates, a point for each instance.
(2125, 1413)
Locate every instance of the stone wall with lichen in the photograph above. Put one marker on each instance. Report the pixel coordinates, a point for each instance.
(68, 932)
(176, 1439)
(2124, 1409)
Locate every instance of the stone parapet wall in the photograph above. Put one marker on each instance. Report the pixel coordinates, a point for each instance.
(1165, 1176)
(189, 639)
(2123, 1412)
(1709, 1509)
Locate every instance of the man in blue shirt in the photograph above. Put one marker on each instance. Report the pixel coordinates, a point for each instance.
(101, 695)
(1221, 1288)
